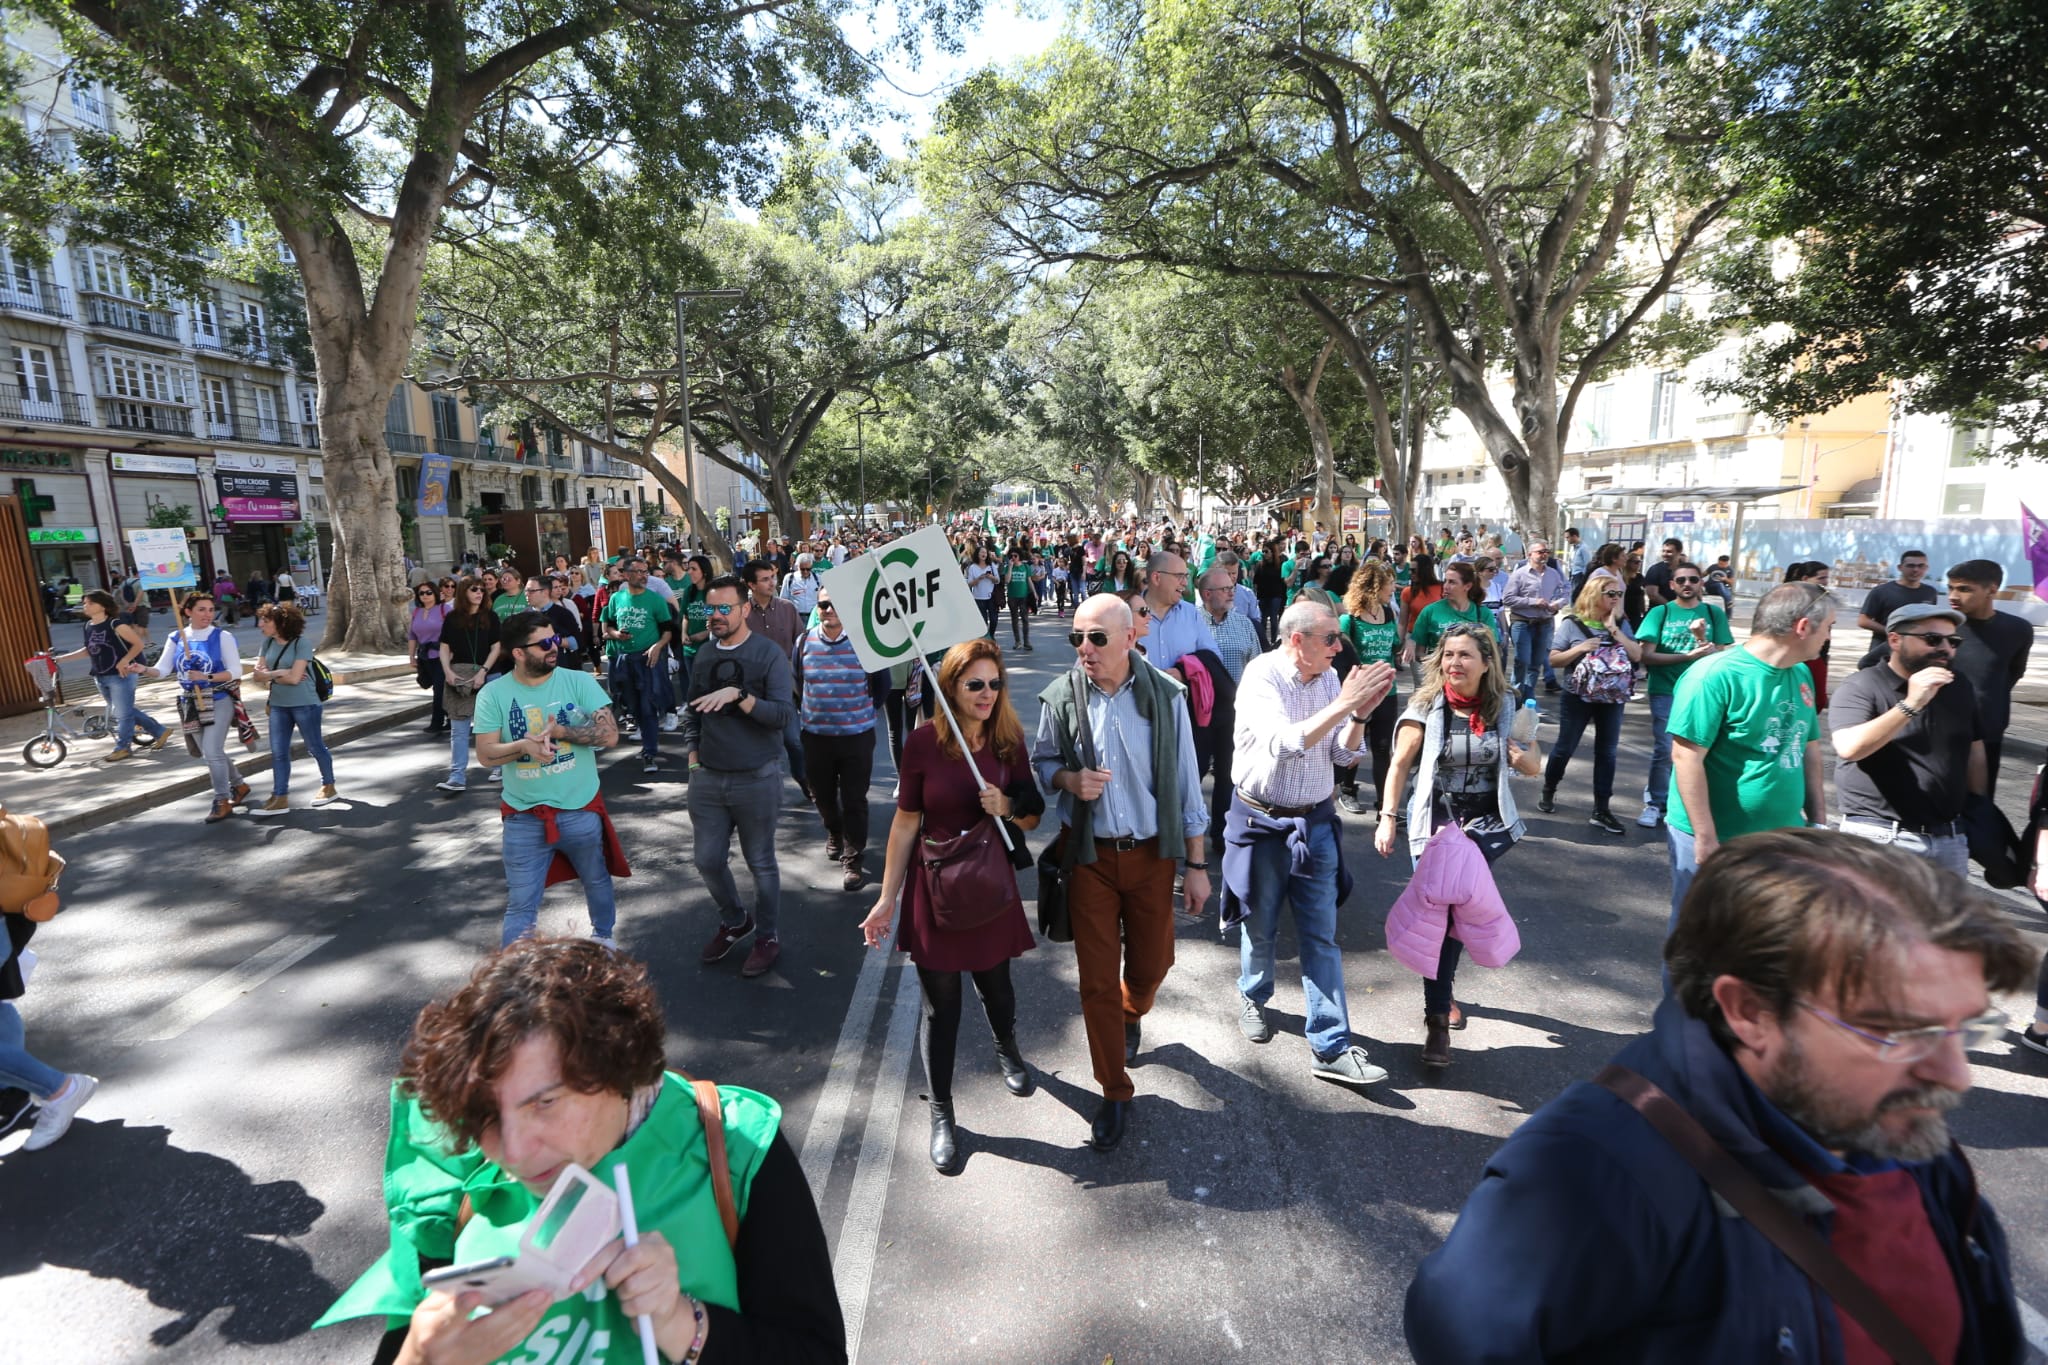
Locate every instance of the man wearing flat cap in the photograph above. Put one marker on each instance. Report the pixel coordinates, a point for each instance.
(1910, 742)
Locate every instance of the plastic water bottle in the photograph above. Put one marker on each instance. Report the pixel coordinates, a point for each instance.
(1526, 719)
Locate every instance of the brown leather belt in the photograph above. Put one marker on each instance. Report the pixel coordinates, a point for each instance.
(1277, 812)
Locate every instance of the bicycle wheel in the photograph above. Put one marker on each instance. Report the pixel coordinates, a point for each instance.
(44, 751)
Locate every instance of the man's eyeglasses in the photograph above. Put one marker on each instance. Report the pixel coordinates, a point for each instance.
(1952, 641)
(982, 685)
(1098, 638)
(721, 608)
(550, 643)
(1903, 1047)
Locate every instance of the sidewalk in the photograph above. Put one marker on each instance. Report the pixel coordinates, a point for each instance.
(371, 693)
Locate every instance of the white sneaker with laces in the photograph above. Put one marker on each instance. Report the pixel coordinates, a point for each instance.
(497, 774)
(55, 1116)
(1349, 1067)
(1650, 818)
(670, 723)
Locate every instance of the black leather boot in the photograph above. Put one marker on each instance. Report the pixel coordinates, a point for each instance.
(945, 1143)
(1016, 1075)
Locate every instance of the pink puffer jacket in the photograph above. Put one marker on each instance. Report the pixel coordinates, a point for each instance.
(1453, 892)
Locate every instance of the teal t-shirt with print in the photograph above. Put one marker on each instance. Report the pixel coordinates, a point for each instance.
(1667, 628)
(640, 614)
(1754, 721)
(512, 711)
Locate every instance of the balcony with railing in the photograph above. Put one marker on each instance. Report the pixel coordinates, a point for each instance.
(454, 449)
(44, 405)
(122, 315)
(405, 443)
(89, 110)
(270, 433)
(617, 469)
(128, 414)
(34, 293)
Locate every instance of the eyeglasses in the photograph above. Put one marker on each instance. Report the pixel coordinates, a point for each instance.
(1677, 579)
(722, 608)
(1903, 1047)
(982, 685)
(1098, 638)
(550, 643)
(1952, 641)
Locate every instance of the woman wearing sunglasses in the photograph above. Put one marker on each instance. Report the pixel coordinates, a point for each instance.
(1595, 644)
(468, 649)
(1454, 737)
(1141, 618)
(423, 649)
(939, 799)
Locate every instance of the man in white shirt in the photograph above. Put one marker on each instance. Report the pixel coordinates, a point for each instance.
(1294, 721)
(801, 586)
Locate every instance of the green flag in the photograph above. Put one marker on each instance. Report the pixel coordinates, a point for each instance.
(988, 521)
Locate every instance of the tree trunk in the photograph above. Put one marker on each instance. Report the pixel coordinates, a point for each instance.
(367, 592)
(1324, 512)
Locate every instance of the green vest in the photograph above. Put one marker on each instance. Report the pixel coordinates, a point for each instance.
(1155, 697)
(671, 1174)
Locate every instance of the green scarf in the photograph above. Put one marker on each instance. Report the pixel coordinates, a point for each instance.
(666, 1159)
(1156, 693)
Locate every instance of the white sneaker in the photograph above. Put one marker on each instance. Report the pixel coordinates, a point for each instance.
(54, 1118)
(1650, 818)
(497, 774)
(671, 723)
(451, 785)
(604, 940)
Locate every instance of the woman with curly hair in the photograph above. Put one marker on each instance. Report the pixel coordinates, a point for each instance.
(284, 666)
(551, 1056)
(939, 800)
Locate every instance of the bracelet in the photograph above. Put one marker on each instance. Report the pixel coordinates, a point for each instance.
(690, 1356)
(1190, 865)
(1912, 712)
(1386, 815)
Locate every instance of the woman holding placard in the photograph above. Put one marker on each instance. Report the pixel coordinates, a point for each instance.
(208, 667)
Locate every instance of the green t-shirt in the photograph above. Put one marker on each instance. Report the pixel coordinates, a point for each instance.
(696, 616)
(1375, 643)
(1438, 616)
(640, 614)
(1667, 628)
(508, 605)
(1020, 580)
(678, 586)
(512, 711)
(1754, 721)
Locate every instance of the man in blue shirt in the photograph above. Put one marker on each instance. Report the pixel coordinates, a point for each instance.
(1178, 626)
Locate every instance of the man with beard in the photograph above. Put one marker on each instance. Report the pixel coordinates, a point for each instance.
(1909, 742)
(1824, 991)
(544, 725)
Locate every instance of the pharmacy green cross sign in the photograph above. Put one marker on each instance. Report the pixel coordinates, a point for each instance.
(33, 505)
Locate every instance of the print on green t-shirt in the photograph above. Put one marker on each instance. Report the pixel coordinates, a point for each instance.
(1754, 721)
(640, 614)
(1439, 616)
(1668, 630)
(1374, 643)
(512, 711)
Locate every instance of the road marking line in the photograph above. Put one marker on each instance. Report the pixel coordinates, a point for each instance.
(2034, 1326)
(821, 1142)
(853, 1260)
(231, 985)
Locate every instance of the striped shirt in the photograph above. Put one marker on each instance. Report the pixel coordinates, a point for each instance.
(1270, 763)
(836, 700)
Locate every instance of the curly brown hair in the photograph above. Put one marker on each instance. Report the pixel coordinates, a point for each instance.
(289, 620)
(597, 1004)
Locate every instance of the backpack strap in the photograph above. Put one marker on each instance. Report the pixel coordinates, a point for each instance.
(712, 1114)
(1785, 1229)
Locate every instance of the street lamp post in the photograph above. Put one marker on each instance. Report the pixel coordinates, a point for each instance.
(683, 297)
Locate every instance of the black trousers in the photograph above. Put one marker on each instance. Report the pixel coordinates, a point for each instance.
(1020, 620)
(840, 768)
(991, 612)
(1379, 737)
(940, 1035)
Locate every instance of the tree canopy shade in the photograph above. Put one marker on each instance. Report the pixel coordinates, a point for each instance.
(365, 131)
(1530, 179)
(1902, 147)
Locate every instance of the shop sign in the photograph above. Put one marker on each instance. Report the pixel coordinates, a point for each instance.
(256, 464)
(259, 497)
(126, 463)
(15, 458)
(63, 535)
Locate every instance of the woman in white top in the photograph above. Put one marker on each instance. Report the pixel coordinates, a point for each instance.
(982, 576)
(286, 589)
(204, 660)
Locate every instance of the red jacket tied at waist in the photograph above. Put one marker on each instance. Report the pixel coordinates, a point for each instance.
(560, 869)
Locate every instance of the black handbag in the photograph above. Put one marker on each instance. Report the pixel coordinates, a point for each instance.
(1055, 882)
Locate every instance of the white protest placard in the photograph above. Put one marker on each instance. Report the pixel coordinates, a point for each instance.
(904, 600)
(162, 558)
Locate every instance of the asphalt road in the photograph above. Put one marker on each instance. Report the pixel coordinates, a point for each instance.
(243, 990)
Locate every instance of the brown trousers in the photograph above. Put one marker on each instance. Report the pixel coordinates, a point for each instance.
(1122, 904)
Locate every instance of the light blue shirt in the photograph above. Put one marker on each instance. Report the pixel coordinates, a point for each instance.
(1127, 808)
(1182, 630)
(1247, 602)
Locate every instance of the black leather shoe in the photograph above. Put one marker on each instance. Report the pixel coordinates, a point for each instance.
(1133, 1032)
(1112, 1121)
(945, 1143)
(1016, 1075)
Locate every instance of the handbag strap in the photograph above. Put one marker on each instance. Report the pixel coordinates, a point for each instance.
(712, 1114)
(1735, 1183)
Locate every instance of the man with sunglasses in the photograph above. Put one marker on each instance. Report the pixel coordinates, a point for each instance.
(1909, 742)
(1825, 994)
(1675, 635)
(543, 725)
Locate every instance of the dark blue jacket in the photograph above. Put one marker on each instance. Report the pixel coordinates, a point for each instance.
(1589, 1238)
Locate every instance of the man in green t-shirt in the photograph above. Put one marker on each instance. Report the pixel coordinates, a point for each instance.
(635, 626)
(1675, 635)
(544, 725)
(1746, 737)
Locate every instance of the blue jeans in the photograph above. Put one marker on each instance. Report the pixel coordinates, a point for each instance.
(720, 803)
(1313, 895)
(458, 748)
(1532, 655)
(1573, 715)
(1660, 751)
(527, 856)
(307, 719)
(641, 689)
(1684, 865)
(17, 1066)
(118, 692)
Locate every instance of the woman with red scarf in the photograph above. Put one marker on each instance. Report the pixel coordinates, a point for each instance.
(1454, 736)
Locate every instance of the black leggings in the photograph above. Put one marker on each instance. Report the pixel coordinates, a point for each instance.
(1020, 620)
(941, 1031)
(1379, 738)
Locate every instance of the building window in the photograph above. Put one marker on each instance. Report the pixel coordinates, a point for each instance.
(220, 411)
(205, 321)
(447, 417)
(237, 235)
(554, 442)
(1664, 404)
(19, 286)
(266, 414)
(1969, 447)
(128, 376)
(90, 105)
(1963, 500)
(107, 273)
(35, 383)
(253, 334)
(398, 412)
(309, 405)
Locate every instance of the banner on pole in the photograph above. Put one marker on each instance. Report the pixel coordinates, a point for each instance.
(162, 558)
(906, 599)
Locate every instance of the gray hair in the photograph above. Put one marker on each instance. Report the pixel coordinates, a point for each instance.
(1216, 578)
(1301, 617)
(1227, 559)
(1780, 610)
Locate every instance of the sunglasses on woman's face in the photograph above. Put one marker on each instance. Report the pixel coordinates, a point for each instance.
(982, 685)
(1098, 638)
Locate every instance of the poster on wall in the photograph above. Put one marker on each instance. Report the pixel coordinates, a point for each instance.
(597, 529)
(163, 558)
(433, 500)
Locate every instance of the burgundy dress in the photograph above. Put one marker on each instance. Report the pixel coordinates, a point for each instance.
(940, 786)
